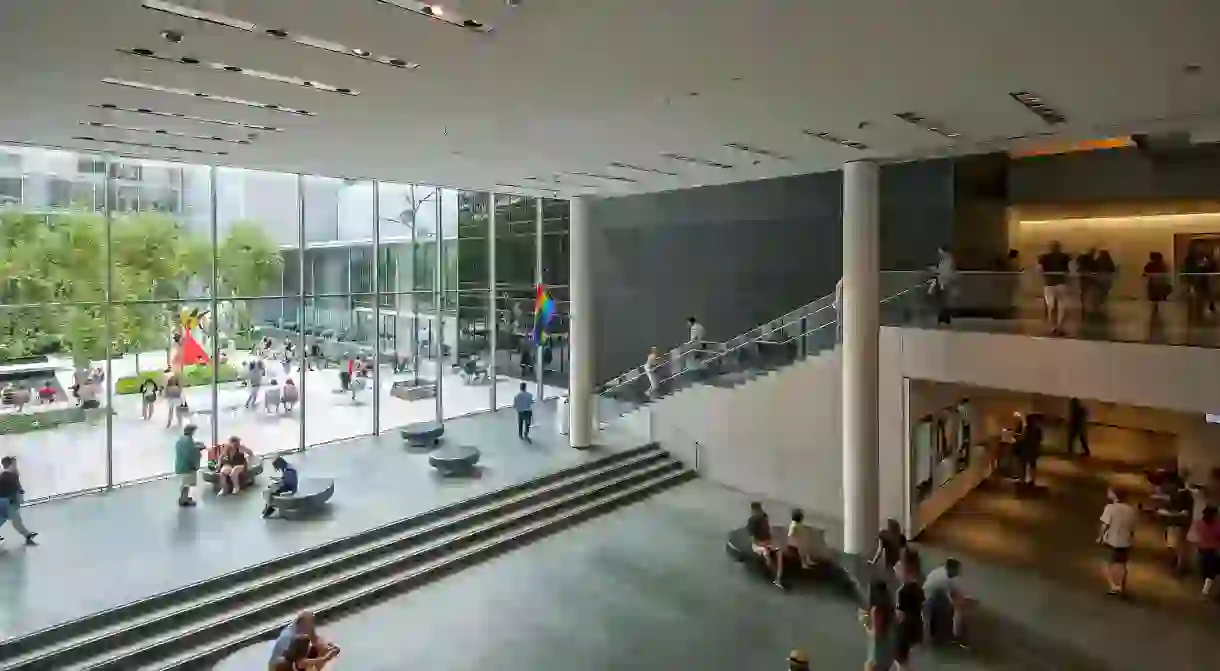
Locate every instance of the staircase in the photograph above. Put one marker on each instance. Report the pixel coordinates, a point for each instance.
(192, 627)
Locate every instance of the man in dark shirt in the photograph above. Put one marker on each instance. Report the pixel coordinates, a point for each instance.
(1055, 266)
(759, 526)
(287, 484)
(1078, 427)
(12, 493)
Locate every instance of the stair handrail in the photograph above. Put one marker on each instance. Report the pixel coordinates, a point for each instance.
(790, 318)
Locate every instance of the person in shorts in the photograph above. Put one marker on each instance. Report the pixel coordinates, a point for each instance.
(148, 397)
(1117, 534)
(759, 526)
(1055, 266)
(186, 464)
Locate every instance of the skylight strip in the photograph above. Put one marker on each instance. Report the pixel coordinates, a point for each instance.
(149, 145)
(304, 40)
(917, 120)
(187, 117)
(613, 178)
(696, 161)
(1037, 105)
(161, 131)
(223, 67)
(639, 168)
(440, 13)
(767, 153)
(821, 135)
(206, 96)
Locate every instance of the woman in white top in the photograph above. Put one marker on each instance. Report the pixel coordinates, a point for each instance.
(650, 369)
(802, 545)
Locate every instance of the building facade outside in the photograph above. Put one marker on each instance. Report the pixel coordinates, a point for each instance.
(107, 258)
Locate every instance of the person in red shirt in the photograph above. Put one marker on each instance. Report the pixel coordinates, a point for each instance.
(46, 393)
(1206, 533)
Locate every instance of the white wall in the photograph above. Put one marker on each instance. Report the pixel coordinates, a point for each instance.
(779, 437)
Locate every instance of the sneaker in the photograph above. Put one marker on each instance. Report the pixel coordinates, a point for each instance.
(779, 584)
(187, 503)
(267, 512)
(29, 538)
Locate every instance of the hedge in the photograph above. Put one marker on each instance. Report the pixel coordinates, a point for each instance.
(192, 376)
(40, 421)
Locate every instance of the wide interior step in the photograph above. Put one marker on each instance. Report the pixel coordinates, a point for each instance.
(171, 630)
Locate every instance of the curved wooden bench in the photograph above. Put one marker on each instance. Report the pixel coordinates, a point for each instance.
(312, 494)
(212, 477)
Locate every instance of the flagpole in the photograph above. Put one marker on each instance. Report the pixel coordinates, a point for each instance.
(539, 368)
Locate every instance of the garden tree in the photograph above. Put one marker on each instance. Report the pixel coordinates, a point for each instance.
(249, 264)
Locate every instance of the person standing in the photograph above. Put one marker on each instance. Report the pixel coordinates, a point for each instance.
(523, 403)
(1077, 427)
(148, 397)
(254, 379)
(173, 396)
(878, 621)
(1206, 531)
(909, 608)
(650, 369)
(1086, 279)
(12, 492)
(186, 464)
(1029, 449)
(944, 284)
(1117, 534)
(1055, 266)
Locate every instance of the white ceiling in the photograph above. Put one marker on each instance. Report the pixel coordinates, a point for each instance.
(563, 86)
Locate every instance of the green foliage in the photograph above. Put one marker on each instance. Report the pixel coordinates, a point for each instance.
(39, 421)
(192, 376)
(62, 259)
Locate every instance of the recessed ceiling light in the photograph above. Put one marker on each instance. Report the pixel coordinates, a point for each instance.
(917, 120)
(217, 19)
(161, 131)
(638, 168)
(1039, 107)
(259, 74)
(859, 146)
(439, 13)
(696, 161)
(183, 92)
(758, 152)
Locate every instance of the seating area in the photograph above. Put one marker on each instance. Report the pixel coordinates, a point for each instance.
(423, 434)
(311, 496)
(212, 476)
(739, 547)
(454, 460)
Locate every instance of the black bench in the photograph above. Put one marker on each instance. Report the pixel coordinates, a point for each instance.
(311, 495)
(740, 547)
(455, 459)
(212, 476)
(423, 434)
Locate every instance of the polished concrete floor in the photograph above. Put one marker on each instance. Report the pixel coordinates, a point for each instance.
(650, 587)
(103, 550)
(1048, 536)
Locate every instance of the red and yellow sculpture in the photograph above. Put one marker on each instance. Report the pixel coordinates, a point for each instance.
(189, 351)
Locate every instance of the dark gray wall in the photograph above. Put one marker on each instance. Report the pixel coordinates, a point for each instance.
(1116, 175)
(740, 254)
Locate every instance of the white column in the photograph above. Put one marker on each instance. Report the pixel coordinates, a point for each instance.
(581, 326)
(861, 332)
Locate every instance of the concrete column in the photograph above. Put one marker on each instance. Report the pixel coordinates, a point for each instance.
(581, 327)
(861, 334)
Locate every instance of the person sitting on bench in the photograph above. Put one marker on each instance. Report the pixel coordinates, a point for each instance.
(300, 645)
(759, 526)
(290, 395)
(803, 544)
(286, 484)
(46, 393)
(235, 460)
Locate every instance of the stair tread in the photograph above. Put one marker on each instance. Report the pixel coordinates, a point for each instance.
(211, 590)
(271, 625)
(353, 574)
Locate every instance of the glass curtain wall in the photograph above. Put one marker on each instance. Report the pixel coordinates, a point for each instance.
(285, 310)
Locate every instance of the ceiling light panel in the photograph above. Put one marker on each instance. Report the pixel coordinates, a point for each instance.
(766, 153)
(639, 168)
(187, 117)
(1038, 106)
(144, 86)
(217, 19)
(828, 137)
(441, 12)
(148, 145)
(696, 161)
(162, 131)
(923, 122)
(223, 67)
(612, 178)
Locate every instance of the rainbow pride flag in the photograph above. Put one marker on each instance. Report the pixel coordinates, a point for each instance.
(544, 312)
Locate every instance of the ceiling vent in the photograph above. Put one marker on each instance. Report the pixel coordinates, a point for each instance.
(1038, 106)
